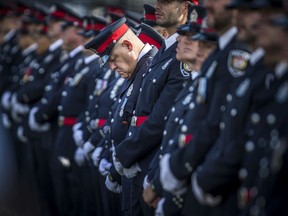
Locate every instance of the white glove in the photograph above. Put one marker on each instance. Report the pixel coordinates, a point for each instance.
(20, 134)
(146, 184)
(6, 100)
(17, 107)
(78, 137)
(201, 196)
(79, 156)
(104, 167)
(160, 209)
(113, 186)
(6, 121)
(87, 148)
(96, 155)
(33, 123)
(132, 171)
(169, 182)
(118, 166)
(76, 126)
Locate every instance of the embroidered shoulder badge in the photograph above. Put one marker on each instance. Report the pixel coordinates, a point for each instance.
(238, 62)
(185, 69)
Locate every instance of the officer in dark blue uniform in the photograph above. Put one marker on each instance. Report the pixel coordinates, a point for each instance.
(187, 52)
(162, 83)
(129, 67)
(222, 164)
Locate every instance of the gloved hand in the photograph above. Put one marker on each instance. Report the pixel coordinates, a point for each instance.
(118, 166)
(78, 137)
(6, 121)
(104, 167)
(160, 209)
(112, 185)
(169, 182)
(34, 125)
(6, 100)
(96, 155)
(201, 196)
(20, 134)
(132, 171)
(88, 147)
(79, 156)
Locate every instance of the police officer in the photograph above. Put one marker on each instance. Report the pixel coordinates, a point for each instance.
(120, 41)
(162, 83)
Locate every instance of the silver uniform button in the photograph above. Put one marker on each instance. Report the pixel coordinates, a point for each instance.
(222, 125)
(119, 101)
(192, 105)
(154, 81)
(242, 173)
(64, 94)
(164, 133)
(171, 141)
(271, 119)
(90, 97)
(129, 134)
(255, 118)
(173, 109)
(249, 146)
(176, 119)
(60, 108)
(222, 108)
(184, 128)
(44, 101)
(233, 112)
(229, 97)
(181, 121)
(112, 120)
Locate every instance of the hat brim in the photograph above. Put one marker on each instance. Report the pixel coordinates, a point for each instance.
(206, 37)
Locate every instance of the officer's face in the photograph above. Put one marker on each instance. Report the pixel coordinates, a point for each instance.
(271, 38)
(217, 16)
(247, 22)
(203, 51)
(186, 49)
(123, 60)
(71, 38)
(54, 29)
(169, 14)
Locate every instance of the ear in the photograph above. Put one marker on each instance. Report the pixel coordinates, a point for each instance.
(127, 44)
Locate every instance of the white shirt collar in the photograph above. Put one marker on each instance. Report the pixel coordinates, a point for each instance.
(281, 69)
(76, 51)
(30, 49)
(194, 74)
(55, 45)
(89, 59)
(256, 55)
(9, 35)
(145, 50)
(227, 37)
(170, 40)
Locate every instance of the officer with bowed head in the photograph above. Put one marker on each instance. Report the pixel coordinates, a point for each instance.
(129, 56)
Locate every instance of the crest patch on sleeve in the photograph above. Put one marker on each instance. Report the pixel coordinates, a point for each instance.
(185, 69)
(238, 62)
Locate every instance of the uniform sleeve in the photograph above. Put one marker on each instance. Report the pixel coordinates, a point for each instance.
(148, 135)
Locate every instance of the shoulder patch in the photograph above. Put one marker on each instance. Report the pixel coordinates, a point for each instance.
(185, 69)
(238, 62)
(166, 64)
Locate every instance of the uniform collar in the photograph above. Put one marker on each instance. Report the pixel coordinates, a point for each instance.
(256, 56)
(30, 49)
(76, 51)
(227, 37)
(55, 45)
(281, 68)
(170, 40)
(9, 35)
(194, 74)
(89, 59)
(145, 50)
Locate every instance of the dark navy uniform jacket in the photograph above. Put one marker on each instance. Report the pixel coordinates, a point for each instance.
(49, 102)
(163, 82)
(264, 114)
(74, 99)
(214, 83)
(37, 74)
(127, 99)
